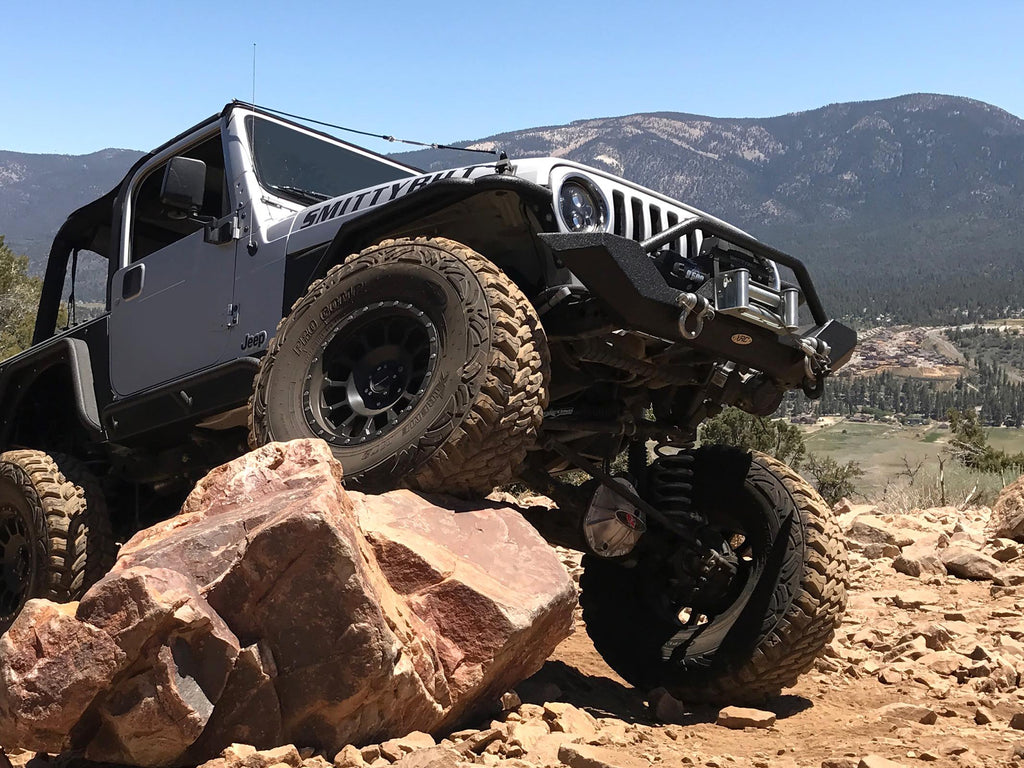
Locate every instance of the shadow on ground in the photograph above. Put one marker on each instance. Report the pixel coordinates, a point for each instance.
(601, 696)
(604, 697)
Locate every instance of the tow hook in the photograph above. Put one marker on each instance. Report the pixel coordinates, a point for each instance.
(701, 310)
(817, 366)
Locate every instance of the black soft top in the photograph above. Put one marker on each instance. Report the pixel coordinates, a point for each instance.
(89, 227)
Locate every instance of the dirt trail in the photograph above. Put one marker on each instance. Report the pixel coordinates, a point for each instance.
(923, 670)
(834, 716)
(828, 715)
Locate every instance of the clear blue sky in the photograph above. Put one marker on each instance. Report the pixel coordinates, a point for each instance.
(80, 76)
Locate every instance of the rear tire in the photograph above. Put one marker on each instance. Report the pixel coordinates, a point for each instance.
(55, 536)
(418, 361)
(774, 624)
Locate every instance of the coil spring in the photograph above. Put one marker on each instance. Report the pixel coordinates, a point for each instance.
(670, 486)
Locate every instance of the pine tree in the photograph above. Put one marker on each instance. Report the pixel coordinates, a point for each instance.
(19, 294)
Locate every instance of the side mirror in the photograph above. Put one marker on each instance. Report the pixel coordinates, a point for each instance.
(184, 186)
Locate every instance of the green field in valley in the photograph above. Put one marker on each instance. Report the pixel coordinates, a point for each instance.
(884, 452)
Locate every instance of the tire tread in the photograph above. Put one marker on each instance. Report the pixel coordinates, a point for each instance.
(804, 610)
(500, 402)
(72, 520)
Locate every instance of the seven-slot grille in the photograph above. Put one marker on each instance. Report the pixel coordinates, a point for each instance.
(638, 220)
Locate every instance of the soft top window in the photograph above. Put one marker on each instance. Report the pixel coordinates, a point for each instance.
(306, 168)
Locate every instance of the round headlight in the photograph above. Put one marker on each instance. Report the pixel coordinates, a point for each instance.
(581, 209)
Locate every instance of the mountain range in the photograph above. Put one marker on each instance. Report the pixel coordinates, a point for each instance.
(37, 192)
(907, 208)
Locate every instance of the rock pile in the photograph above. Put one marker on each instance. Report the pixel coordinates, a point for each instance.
(280, 608)
(935, 542)
(925, 670)
(920, 634)
(1007, 518)
(555, 733)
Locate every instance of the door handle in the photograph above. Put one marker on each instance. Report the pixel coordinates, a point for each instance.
(132, 280)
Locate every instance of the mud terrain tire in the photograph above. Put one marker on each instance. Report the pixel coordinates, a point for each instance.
(419, 362)
(55, 536)
(793, 598)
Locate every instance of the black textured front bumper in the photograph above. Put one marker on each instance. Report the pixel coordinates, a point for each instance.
(619, 272)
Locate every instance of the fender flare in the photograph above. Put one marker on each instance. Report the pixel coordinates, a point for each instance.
(366, 229)
(22, 372)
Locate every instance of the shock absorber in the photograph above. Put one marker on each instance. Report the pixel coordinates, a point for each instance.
(705, 564)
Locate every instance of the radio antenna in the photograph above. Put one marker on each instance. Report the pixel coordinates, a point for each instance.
(251, 248)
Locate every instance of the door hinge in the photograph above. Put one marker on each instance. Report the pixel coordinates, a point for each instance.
(222, 231)
(232, 319)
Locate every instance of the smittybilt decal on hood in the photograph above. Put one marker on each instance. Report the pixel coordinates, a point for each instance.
(385, 193)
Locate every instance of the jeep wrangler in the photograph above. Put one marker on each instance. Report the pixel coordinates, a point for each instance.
(447, 332)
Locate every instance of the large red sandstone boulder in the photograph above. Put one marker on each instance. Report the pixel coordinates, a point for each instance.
(280, 608)
(52, 667)
(182, 654)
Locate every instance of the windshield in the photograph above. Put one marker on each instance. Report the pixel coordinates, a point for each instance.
(307, 169)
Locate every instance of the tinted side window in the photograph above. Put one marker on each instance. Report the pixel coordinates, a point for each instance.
(152, 227)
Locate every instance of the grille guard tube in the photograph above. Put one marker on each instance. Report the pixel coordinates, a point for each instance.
(743, 240)
(620, 274)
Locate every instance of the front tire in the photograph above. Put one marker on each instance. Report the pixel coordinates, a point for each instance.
(55, 536)
(768, 630)
(418, 361)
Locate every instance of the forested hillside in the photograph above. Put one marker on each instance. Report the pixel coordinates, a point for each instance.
(987, 377)
(37, 192)
(907, 208)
